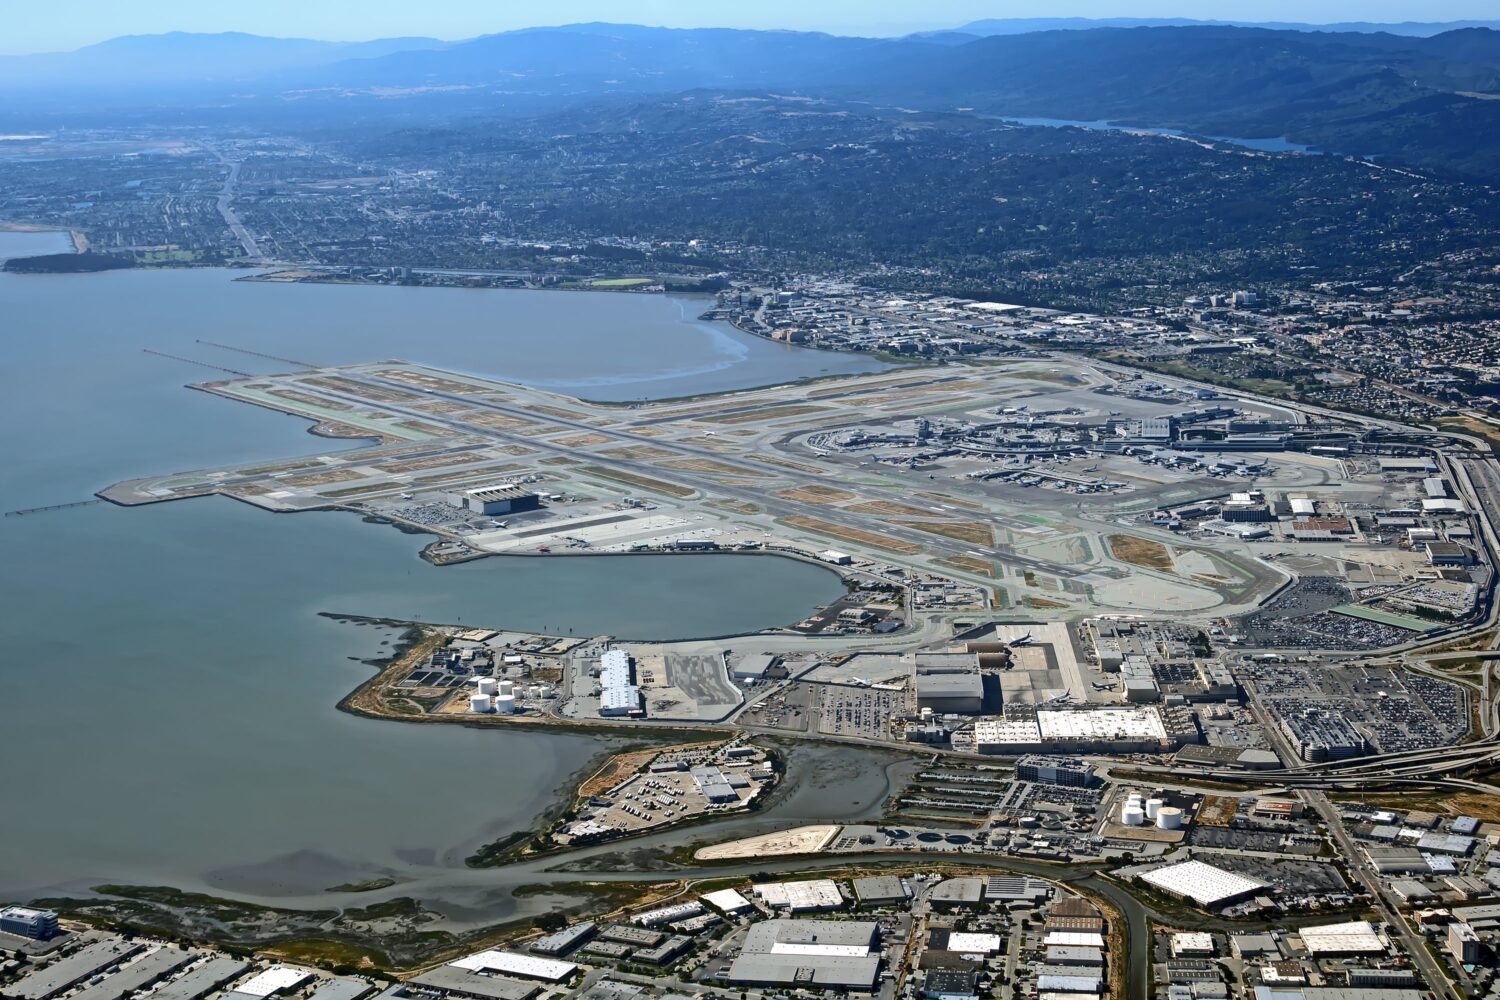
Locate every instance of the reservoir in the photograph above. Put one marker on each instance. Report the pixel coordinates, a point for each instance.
(167, 670)
(23, 244)
(1278, 144)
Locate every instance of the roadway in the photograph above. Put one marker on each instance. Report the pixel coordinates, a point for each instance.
(225, 205)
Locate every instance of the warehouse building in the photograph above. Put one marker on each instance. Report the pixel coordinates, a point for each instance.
(801, 897)
(949, 683)
(618, 693)
(1094, 730)
(1356, 937)
(1202, 883)
(509, 963)
(880, 890)
(818, 954)
(506, 498)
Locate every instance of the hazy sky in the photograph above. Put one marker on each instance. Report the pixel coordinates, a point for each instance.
(63, 24)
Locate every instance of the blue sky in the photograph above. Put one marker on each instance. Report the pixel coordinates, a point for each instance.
(63, 24)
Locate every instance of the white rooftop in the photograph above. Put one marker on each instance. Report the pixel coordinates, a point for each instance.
(1354, 937)
(1192, 941)
(814, 894)
(516, 965)
(974, 944)
(1074, 939)
(273, 980)
(728, 900)
(1102, 724)
(1202, 883)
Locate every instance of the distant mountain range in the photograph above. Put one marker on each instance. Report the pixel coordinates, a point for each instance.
(1026, 25)
(184, 57)
(1411, 97)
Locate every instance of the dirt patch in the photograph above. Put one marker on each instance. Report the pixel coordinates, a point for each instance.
(1042, 603)
(638, 453)
(1218, 810)
(430, 462)
(623, 765)
(955, 501)
(811, 470)
(1141, 552)
(645, 483)
(974, 532)
(889, 507)
(323, 478)
(853, 534)
(709, 465)
(501, 421)
(816, 494)
(738, 506)
(582, 440)
(969, 565)
(765, 413)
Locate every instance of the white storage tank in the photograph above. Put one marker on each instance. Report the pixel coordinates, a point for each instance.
(1169, 818)
(1153, 806)
(507, 687)
(480, 703)
(1132, 815)
(505, 704)
(488, 685)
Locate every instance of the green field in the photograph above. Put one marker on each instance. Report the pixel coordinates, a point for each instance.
(1384, 617)
(620, 282)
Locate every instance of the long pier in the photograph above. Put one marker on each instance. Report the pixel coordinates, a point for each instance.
(200, 364)
(258, 354)
(57, 506)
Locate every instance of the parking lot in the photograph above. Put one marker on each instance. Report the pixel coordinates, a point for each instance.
(859, 711)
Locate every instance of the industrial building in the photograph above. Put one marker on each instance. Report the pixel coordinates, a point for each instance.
(27, 922)
(276, 979)
(506, 498)
(712, 783)
(450, 980)
(1319, 735)
(1356, 937)
(1069, 772)
(618, 693)
(511, 964)
(801, 897)
(563, 941)
(823, 954)
(1094, 730)
(1202, 883)
(881, 890)
(949, 683)
(728, 901)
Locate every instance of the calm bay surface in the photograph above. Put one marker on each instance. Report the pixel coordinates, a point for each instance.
(29, 244)
(166, 667)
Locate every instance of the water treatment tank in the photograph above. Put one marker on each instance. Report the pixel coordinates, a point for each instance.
(480, 703)
(1153, 806)
(1169, 818)
(505, 704)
